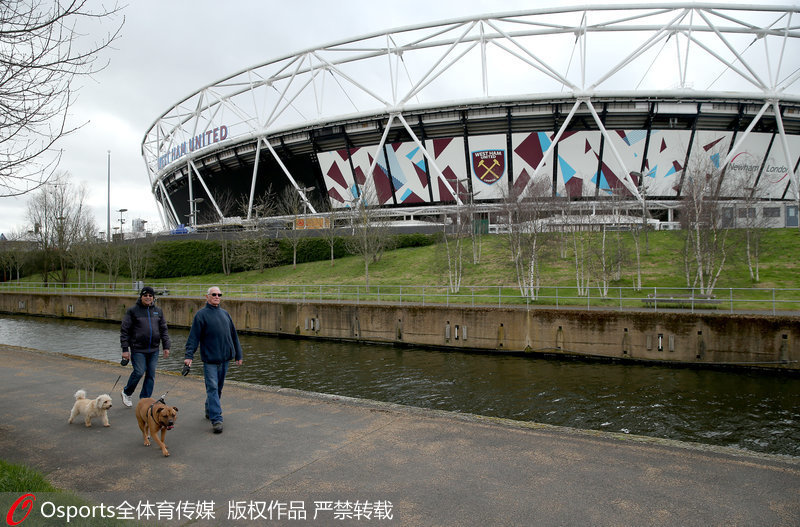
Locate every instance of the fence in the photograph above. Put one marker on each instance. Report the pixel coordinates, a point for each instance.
(659, 299)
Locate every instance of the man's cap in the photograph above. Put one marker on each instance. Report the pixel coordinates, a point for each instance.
(147, 289)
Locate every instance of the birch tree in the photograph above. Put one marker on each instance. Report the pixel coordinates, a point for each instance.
(707, 243)
(370, 233)
(526, 222)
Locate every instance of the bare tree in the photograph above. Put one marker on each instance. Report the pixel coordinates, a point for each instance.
(57, 217)
(753, 224)
(254, 250)
(707, 244)
(14, 252)
(86, 251)
(110, 255)
(453, 245)
(226, 203)
(331, 230)
(136, 251)
(291, 204)
(455, 230)
(636, 231)
(578, 223)
(607, 249)
(370, 233)
(44, 48)
(605, 261)
(471, 222)
(526, 223)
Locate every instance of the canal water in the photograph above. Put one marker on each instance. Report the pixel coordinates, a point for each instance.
(755, 411)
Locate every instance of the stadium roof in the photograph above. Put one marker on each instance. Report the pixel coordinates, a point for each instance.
(536, 69)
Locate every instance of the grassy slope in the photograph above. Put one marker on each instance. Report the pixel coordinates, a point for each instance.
(662, 266)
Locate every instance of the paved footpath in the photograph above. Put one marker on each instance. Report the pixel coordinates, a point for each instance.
(297, 454)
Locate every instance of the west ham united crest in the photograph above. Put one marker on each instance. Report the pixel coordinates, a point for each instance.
(489, 165)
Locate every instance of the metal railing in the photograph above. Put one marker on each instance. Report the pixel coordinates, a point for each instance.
(658, 299)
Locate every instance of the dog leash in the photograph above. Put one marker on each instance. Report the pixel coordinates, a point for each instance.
(184, 373)
(123, 362)
(115, 383)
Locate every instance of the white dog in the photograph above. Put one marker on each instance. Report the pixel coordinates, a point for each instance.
(90, 408)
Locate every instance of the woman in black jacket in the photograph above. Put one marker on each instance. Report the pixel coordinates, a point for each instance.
(143, 329)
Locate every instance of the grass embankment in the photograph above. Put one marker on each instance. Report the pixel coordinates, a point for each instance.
(661, 266)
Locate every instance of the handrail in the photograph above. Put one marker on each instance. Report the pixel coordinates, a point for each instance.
(783, 301)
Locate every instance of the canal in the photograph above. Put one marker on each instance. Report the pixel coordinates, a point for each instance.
(755, 411)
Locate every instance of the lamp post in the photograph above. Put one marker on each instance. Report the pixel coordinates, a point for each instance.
(108, 203)
(193, 210)
(121, 222)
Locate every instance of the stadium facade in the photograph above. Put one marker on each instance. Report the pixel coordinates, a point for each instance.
(586, 103)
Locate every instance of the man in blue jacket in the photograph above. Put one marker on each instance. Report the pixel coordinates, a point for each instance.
(213, 331)
(143, 329)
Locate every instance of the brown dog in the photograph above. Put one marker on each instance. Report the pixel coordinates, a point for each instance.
(154, 416)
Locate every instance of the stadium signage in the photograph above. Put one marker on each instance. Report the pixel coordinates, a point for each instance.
(744, 162)
(489, 165)
(749, 165)
(209, 137)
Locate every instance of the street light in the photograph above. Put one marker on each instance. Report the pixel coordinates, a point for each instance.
(108, 203)
(121, 220)
(193, 209)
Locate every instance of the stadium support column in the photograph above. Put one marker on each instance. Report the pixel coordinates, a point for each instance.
(744, 136)
(688, 157)
(626, 179)
(319, 176)
(168, 201)
(369, 176)
(192, 166)
(429, 158)
(509, 149)
(191, 192)
(556, 139)
(785, 142)
(288, 174)
(427, 165)
(253, 181)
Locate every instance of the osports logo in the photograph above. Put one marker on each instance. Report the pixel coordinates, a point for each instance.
(25, 502)
(489, 165)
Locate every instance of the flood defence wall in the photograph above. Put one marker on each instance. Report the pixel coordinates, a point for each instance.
(747, 341)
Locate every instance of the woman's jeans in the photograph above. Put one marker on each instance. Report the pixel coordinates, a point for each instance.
(214, 375)
(143, 364)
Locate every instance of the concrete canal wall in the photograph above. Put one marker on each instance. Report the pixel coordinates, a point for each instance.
(757, 341)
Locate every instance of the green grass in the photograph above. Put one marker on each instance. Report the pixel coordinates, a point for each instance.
(18, 480)
(662, 267)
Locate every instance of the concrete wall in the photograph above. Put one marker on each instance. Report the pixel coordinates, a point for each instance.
(736, 340)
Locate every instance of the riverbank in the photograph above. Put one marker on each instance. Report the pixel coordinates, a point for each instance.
(436, 468)
(701, 339)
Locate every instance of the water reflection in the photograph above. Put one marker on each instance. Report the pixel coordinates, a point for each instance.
(754, 411)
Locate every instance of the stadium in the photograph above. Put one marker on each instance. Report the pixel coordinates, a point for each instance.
(605, 106)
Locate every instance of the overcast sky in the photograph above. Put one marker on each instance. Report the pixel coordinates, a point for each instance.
(170, 49)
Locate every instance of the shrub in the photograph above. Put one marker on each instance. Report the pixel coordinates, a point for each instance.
(170, 259)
